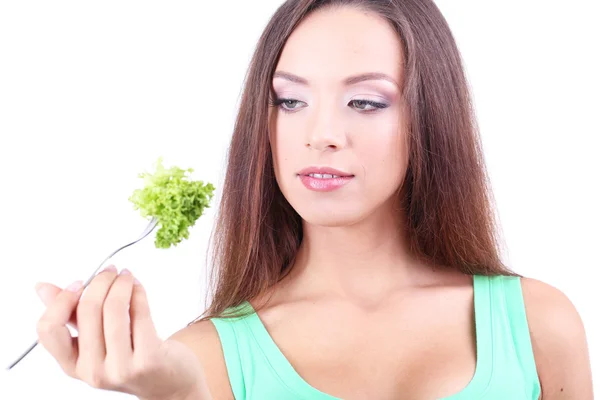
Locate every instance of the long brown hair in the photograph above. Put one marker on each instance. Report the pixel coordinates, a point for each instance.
(445, 194)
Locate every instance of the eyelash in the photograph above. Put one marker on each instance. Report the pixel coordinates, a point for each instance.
(278, 102)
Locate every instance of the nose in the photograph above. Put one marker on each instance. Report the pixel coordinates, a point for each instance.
(326, 131)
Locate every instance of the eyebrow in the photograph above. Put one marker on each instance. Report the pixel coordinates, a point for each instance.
(351, 80)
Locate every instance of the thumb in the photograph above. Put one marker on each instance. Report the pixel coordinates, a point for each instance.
(47, 292)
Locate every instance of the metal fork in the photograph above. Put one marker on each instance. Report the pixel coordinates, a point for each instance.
(151, 225)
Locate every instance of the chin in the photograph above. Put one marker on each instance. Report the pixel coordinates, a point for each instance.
(330, 217)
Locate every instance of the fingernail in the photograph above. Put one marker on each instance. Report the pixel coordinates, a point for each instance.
(38, 287)
(136, 282)
(125, 271)
(110, 268)
(75, 286)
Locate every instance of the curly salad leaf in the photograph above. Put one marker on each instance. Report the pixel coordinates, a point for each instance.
(175, 201)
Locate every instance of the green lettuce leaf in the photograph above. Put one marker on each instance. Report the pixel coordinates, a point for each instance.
(174, 200)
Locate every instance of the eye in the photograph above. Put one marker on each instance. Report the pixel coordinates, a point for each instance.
(286, 105)
(364, 104)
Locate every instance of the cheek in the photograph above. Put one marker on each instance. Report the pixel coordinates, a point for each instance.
(383, 156)
(286, 144)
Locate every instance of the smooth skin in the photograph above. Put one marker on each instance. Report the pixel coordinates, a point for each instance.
(557, 333)
(357, 317)
(117, 347)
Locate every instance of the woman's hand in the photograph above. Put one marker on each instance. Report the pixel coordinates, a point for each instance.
(117, 347)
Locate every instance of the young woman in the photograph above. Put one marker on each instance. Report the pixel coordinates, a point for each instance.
(356, 255)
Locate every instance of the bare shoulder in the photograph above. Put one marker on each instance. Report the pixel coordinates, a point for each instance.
(559, 342)
(203, 339)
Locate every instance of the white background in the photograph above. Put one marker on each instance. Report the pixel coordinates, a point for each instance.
(92, 93)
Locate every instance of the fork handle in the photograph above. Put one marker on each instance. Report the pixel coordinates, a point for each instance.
(151, 225)
(23, 355)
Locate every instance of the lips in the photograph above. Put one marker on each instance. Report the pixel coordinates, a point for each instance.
(324, 179)
(324, 171)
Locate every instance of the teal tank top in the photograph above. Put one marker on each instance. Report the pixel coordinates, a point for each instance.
(505, 367)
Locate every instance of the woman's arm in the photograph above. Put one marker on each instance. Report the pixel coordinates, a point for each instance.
(559, 343)
(203, 339)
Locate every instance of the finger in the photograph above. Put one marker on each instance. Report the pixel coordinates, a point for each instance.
(142, 328)
(89, 318)
(52, 331)
(47, 292)
(117, 328)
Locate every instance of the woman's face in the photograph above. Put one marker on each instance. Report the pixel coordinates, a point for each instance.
(339, 78)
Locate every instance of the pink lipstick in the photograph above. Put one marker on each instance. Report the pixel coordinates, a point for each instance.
(324, 179)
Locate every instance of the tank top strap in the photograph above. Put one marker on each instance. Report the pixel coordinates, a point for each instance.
(237, 349)
(512, 339)
(517, 319)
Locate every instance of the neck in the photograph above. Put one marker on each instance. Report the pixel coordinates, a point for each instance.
(364, 261)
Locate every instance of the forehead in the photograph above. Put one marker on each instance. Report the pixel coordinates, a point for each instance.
(334, 43)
